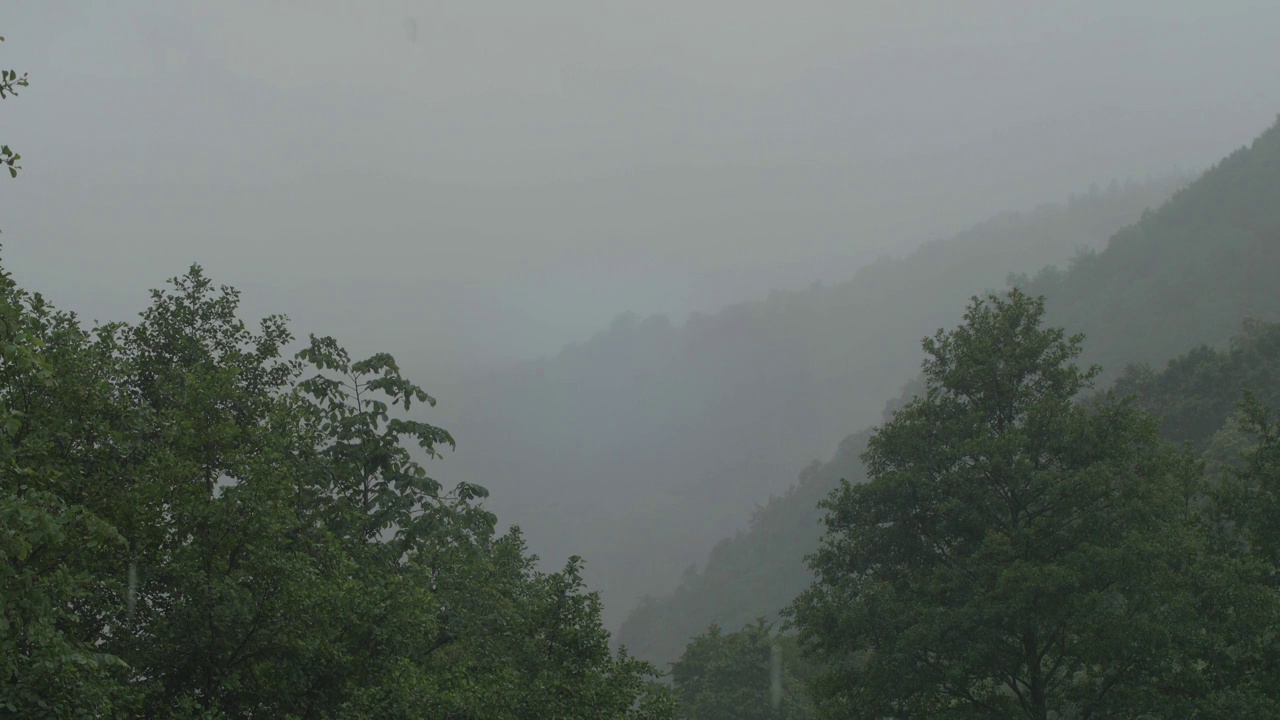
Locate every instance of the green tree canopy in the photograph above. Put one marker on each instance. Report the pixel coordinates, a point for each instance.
(1015, 552)
(753, 674)
(197, 525)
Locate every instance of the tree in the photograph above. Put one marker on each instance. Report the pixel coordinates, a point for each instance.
(1015, 552)
(1251, 495)
(10, 81)
(739, 676)
(198, 526)
(295, 560)
(50, 666)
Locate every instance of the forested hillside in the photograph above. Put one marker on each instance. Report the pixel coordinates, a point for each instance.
(1187, 274)
(643, 445)
(1024, 546)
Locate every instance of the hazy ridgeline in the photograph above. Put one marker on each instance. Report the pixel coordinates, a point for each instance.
(1186, 274)
(647, 443)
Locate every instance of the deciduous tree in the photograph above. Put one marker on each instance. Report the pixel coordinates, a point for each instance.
(1015, 552)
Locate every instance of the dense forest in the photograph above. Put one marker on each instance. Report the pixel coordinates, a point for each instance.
(647, 443)
(1122, 298)
(199, 526)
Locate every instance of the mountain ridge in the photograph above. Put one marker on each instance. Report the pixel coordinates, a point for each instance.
(645, 444)
(1157, 288)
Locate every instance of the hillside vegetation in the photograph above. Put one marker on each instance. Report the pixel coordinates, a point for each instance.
(1185, 275)
(644, 445)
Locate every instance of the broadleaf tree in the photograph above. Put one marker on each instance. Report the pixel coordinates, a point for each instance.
(1019, 552)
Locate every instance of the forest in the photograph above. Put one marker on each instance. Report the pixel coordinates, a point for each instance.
(1122, 299)
(1057, 494)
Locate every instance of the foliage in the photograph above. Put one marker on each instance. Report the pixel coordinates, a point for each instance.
(1197, 392)
(10, 81)
(1015, 553)
(761, 570)
(1182, 276)
(1245, 505)
(199, 526)
(1186, 273)
(1250, 497)
(49, 664)
(734, 676)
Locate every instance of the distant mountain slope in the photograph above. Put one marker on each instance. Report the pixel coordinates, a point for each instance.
(1187, 273)
(1196, 394)
(753, 574)
(644, 445)
(1183, 275)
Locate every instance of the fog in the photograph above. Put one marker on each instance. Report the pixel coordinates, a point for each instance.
(467, 184)
(510, 176)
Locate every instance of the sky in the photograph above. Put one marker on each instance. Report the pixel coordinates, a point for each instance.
(481, 180)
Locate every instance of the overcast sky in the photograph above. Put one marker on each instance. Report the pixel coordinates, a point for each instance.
(486, 178)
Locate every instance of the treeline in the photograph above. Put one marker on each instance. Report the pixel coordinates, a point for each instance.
(650, 441)
(1195, 399)
(1024, 547)
(1017, 551)
(1184, 276)
(196, 525)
